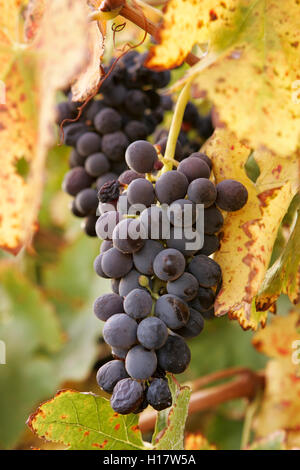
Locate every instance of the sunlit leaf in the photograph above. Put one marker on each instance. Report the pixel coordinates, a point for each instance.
(251, 70)
(248, 234)
(83, 421)
(197, 442)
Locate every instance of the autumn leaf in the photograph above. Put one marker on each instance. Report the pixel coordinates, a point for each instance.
(170, 426)
(284, 274)
(32, 73)
(83, 421)
(249, 234)
(280, 408)
(251, 69)
(197, 442)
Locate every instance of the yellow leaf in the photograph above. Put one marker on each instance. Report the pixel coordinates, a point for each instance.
(32, 73)
(87, 83)
(248, 234)
(251, 70)
(280, 407)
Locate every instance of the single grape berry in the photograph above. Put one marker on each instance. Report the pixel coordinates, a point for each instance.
(194, 168)
(162, 145)
(127, 396)
(128, 236)
(106, 224)
(169, 264)
(152, 333)
(144, 258)
(159, 395)
(98, 266)
(97, 164)
(204, 158)
(202, 191)
(182, 213)
(88, 143)
(116, 264)
(138, 304)
(136, 130)
(76, 180)
(128, 176)
(171, 186)
(89, 224)
(140, 156)
(194, 325)
(114, 145)
(206, 270)
(174, 356)
(133, 280)
(109, 192)
(140, 363)
(87, 201)
(213, 220)
(172, 310)
(107, 305)
(211, 245)
(120, 331)
(184, 239)
(105, 178)
(107, 120)
(231, 195)
(186, 287)
(110, 374)
(141, 191)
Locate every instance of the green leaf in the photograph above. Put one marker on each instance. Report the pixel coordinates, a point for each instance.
(275, 441)
(83, 421)
(284, 274)
(171, 438)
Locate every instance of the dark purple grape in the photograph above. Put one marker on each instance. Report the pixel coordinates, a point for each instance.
(204, 157)
(76, 180)
(116, 264)
(105, 178)
(108, 120)
(152, 333)
(231, 195)
(141, 191)
(138, 304)
(187, 240)
(87, 201)
(171, 186)
(128, 236)
(186, 287)
(182, 213)
(136, 130)
(169, 264)
(129, 282)
(127, 396)
(107, 305)
(72, 132)
(110, 374)
(136, 102)
(213, 220)
(97, 164)
(63, 112)
(159, 395)
(202, 191)
(140, 364)
(106, 224)
(114, 145)
(206, 270)
(172, 310)
(120, 330)
(194, 325)
(211, 245)
(128, 176)
(89, 224)
(98, 266)
(88, 143)
(144, 258)
(194, 168)
(162, 144)
(174, 356)
(75, 159)
(140, 156)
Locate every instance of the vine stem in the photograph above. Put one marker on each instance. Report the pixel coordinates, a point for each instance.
(245, 385)
(176, 126)
(136, 16)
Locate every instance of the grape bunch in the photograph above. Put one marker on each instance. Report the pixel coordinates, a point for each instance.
(163, 286)
(128, 109)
